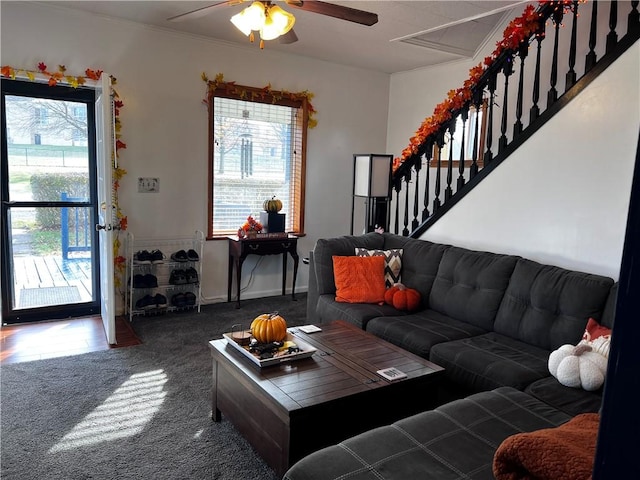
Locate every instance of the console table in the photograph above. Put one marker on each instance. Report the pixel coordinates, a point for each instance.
(240, 248)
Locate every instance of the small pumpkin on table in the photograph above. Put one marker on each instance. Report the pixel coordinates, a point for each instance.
(269, 332)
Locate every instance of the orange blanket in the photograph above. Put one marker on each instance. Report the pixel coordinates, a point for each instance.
(562, 453)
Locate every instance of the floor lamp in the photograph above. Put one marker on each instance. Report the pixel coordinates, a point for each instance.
(371, 191)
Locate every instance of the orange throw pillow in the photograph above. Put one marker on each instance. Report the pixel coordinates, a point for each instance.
(359, 279)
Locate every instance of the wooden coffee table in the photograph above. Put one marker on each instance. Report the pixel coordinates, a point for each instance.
(289, 410)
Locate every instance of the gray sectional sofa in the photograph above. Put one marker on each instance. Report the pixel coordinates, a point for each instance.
(491, 320)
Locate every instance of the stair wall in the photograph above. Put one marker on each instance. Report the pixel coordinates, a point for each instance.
(563, 196)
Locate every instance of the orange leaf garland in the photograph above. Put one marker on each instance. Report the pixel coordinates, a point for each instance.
(93, 74)
(7, 71)
(75, 81)
(232, 88)
(519, 30)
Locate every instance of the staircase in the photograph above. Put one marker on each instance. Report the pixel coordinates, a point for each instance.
(520, 90)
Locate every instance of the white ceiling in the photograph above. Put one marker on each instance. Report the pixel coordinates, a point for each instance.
(378, 47)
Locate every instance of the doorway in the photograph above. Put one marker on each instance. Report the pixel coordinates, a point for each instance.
(49, 208)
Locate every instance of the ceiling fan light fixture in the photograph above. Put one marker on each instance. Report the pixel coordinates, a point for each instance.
(270, 20)
(251, 18)
(281, 20)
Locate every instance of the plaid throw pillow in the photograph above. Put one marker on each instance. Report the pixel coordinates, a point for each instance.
(392, 263)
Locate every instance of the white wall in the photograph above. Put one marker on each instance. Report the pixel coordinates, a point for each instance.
(563, 197)
(165, 122)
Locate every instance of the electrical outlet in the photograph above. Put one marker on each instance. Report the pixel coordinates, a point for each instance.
(148, 185)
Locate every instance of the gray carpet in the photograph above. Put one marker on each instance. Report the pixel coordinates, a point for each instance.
(140, 412)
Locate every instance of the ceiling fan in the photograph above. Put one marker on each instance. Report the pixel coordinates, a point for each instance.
(272, 15)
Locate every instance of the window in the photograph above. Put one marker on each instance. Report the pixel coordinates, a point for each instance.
(475, 118)
(80, 114)
(257, 151)
(41, 116)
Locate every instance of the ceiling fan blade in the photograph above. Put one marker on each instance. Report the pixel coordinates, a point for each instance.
(201, 12)
(337, 11)
(287, 38)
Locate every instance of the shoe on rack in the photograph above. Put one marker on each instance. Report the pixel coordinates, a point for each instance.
(139, 281)
(178, 277)
(160, 300)
(192, 275)
(156, 256)
(179, 256)
(192, 255)
(179, 300)
(146, 303)
(190, 299)
(142, 257)
(151, 281)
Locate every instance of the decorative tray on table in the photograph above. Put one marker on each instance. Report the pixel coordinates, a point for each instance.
(278, 354)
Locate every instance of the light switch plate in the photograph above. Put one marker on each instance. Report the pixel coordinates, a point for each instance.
(148, 185)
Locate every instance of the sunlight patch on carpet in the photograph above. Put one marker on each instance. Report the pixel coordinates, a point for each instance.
(124, 414)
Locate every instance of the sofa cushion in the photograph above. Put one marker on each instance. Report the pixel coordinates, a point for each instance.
(549, 306)
(469, 285)
(572, 401)
(358, 314)
(421, 330)
(489, 361)
(326, 248)
(420, 261)
(429, 445)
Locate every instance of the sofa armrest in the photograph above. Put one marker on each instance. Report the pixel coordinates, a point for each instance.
(312, 295)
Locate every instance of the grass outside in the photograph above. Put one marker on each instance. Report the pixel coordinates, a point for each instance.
(30, 150)
(43, 241)
(46, 242)
(20, 184)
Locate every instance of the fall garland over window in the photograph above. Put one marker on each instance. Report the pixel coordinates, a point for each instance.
(60, 76)
(519, 30)
(254, 94)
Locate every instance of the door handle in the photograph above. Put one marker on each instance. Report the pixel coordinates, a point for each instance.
(103, 227)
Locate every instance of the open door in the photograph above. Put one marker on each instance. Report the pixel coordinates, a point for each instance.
(105, 149)
(49, 260)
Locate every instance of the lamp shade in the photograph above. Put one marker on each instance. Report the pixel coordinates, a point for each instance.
(277, 22)
(251, 18)
(372, 175)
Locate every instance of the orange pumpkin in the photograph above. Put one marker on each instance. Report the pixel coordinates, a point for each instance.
(402, 298)
(269, 327)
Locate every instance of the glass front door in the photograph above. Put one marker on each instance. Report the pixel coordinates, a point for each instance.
(49, 243)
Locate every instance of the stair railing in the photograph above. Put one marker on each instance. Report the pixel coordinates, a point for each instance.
(490, 125)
